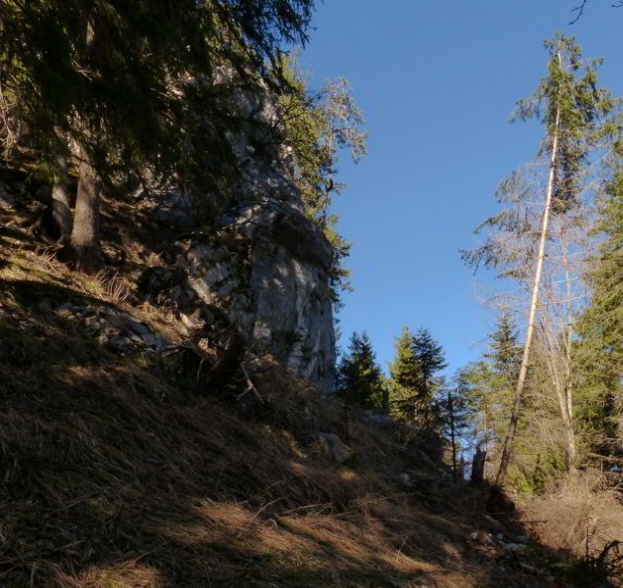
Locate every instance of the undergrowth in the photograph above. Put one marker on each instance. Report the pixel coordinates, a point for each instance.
(121, 470)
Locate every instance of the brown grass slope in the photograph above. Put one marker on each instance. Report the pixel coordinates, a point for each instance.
(121, 470)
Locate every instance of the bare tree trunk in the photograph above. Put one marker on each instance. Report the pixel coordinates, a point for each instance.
(329, 186)
(559, 362)
(84, 244)
(478, 466)
(571, 446)
(85, 236)
(523, 370)
(486, 442)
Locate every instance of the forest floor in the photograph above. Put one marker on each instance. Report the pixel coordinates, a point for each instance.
(121, 468)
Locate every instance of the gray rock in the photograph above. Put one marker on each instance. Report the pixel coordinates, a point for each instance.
(7, 203)
(92, 322)
(155, 341)
(44, 307)
(266, 268)
(404, 478)
(334, 447)
(132, 324)
(278, 299)
(378, 420)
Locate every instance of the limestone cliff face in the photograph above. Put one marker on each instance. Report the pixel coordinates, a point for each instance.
(268, 273)
(267, 267)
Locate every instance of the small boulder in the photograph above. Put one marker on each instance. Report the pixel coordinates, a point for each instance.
(404, 478)
(133, 325)
(7, 203)
(335, 447)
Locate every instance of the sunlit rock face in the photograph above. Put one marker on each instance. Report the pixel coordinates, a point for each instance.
(268, 273)
(267, 266)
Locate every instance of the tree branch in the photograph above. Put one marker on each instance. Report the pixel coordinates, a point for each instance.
(580, 10)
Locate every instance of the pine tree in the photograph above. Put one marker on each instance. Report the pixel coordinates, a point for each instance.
(359, 377)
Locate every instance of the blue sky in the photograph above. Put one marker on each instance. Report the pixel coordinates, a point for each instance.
(437, 81)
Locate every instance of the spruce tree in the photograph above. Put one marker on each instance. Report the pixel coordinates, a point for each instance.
(112, 78)
(456, 412)
(359, 377)
(413, 374)
(543, 251)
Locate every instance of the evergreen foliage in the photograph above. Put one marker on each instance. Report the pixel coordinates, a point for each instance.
(128, 82)
(319, 126)
(490, 383)
(456, 412)
(413, 375)
(581, 124)
(359, 377)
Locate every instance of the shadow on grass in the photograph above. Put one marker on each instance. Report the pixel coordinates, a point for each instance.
(116, 474)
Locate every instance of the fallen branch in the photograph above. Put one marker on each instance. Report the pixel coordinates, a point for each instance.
(250, 386)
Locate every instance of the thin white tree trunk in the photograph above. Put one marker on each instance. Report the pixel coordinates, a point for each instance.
(523, 370)
(571, 445)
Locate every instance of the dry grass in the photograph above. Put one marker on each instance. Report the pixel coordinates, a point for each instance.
(105, 285)
(114, 476)
(122, 471)
(580, 517)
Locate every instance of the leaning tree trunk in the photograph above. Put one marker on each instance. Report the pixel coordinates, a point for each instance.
(84, 245)
(523, 370)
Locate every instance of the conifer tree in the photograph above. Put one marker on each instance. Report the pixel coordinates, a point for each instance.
(359, 377)
(491, 382)
(599, 351)
(111, 77)
(570, 106)
(319, 126)
(456, 412)
(413, 374)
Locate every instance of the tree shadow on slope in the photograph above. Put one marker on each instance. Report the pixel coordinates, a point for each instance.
(114, 474)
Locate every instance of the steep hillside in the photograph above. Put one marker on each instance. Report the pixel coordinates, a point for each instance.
(127, 463)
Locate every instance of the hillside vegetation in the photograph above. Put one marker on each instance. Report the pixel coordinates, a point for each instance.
(124, 469)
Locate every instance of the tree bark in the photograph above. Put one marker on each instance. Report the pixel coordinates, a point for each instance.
(510, 437)
(84, 244)
(61, 205)
(386, 402)
(452, 436)
(55, 224)
(571, 445)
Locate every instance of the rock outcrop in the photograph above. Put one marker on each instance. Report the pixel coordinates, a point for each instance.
(267, 267)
